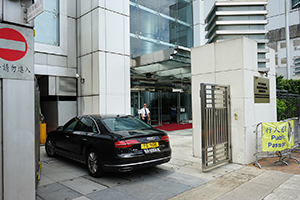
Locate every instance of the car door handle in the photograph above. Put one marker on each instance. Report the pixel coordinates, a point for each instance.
(67, 136)
(84, 139)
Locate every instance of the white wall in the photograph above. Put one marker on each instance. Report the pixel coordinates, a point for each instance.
(234, 63)
(19, 173)
(59, 60)
(104, 57)
(276, 15)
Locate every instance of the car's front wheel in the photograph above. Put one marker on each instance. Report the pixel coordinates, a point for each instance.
(94, 164)
(50, 148)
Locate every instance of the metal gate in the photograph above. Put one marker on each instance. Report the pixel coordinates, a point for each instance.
(215, 123)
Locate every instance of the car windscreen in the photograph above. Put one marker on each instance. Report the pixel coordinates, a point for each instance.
(124, 123)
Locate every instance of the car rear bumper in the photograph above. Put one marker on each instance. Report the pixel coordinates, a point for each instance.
(136, 165)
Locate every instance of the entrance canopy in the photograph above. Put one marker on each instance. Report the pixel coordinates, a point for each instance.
(163, 68)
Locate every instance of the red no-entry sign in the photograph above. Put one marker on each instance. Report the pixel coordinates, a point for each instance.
(13, 45)
(16, 52)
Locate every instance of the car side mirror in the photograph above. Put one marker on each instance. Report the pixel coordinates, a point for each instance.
(60, 128)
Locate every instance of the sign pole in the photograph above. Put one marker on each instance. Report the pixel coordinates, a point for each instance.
(17, 114)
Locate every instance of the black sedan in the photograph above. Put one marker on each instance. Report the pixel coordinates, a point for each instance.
(110, 143)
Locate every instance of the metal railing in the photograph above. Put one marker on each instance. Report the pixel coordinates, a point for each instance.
(286, 153)
(292, 102)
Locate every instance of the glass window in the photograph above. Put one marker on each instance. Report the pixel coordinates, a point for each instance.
(297, 62)
(141, 47)
(261, 55)
(71, 125)
(46, 25)
(149, 29)
(261, 65)
(86, 125)
(124, 123)
(295, 4)
(241, 17)
(160, 24)
(261, 46)
(242, 27)
(240, 8)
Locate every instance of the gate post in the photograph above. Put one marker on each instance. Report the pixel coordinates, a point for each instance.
(234, 63)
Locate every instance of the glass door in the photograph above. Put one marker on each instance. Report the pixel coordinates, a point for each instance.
(156, 108)
(185, 107)
(135, 103)
(165, 107)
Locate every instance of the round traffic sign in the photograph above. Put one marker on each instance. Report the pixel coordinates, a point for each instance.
(13, 45)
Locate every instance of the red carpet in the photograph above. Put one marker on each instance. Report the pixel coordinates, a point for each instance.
(174, 127)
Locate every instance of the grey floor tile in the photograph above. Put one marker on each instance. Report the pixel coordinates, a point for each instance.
(186, 179)
(82, 185)
(173, 188)
(283, 193)
(248, 191)
(56, 191)
(134, 175)
(108, 180)
(292, 183)
(271, 178)
(82, 198)
(44, 180)
(142, 191)
(38, 198)
(111, 194)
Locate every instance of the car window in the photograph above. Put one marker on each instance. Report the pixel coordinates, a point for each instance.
(71, 125)
(124, 123)
(86, 125)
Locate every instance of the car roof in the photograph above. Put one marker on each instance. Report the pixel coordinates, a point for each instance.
(104, 116)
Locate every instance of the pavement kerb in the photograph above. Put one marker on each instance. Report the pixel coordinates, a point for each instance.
(221, 185)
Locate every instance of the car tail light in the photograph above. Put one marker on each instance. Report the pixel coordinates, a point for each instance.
(125, 143)
(120, 144)
(165, 138)
(131, 142)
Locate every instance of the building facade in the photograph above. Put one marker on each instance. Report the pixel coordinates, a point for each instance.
(278, 17)
(106, 57)
(231, 19)
(84, 51)
(83, 66)
(161, 33)
(111, 56)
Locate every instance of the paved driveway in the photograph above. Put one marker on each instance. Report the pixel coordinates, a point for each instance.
(62, 178)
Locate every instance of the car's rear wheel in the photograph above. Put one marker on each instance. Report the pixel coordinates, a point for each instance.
(94, 164)
(50, 148)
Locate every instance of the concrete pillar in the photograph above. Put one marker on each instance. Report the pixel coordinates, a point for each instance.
(19, 173)
(234, 63)
(18, 155)
(103, 57)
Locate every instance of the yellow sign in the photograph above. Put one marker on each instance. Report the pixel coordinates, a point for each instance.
(276, 136)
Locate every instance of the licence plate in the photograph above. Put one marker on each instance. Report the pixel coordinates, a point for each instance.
(149, 145)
